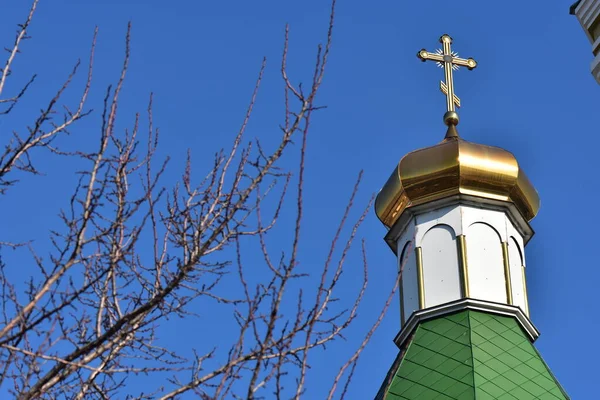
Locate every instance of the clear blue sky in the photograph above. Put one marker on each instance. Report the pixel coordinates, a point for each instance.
(532, 94)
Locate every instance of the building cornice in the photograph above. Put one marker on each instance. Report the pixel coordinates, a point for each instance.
(587, 12)
(513, 214)
(466, 304)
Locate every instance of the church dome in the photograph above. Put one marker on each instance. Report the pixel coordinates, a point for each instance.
(456, 167)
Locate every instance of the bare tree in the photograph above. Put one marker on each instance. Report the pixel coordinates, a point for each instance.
(134, 253)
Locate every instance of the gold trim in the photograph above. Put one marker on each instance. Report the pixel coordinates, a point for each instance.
(419, 256)
(462, 259)
(525, 291)
(509, 297)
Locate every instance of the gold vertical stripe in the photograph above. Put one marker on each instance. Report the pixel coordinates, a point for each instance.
(526, 301)
(419, 254)
(462, 259)
(509, 297)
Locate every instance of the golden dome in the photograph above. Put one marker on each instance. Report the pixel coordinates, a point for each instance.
(453, 167)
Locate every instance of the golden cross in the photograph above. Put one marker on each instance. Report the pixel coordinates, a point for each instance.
(450, 61)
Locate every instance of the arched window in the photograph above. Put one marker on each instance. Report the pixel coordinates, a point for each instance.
(410, 287)
(441, 273)
(515, 261)
(485, 263)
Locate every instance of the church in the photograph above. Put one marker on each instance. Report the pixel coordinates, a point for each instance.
(458, 217)
(588, 15)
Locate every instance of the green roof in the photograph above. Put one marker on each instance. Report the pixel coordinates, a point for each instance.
(470, 355)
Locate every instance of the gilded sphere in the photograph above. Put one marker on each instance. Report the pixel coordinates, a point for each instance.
(451, 118)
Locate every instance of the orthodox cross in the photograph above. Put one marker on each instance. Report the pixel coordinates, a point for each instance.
(449, 60)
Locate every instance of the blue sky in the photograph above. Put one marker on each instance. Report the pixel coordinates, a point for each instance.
(532, 94)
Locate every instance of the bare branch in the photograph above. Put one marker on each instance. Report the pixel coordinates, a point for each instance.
(93, 316)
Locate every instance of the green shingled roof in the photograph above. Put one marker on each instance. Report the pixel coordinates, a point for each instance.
(470, 355)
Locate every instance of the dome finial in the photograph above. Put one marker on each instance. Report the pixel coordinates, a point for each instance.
(449, 60)
(451, 120)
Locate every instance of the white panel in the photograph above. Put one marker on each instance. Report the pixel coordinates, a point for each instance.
(512, 231)
(408, 234)
(441, 276)
(410, 286)
(517, 237)
(450, 216)
(435, 233)
(496, 219)
(515, 261)
(485, 263)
